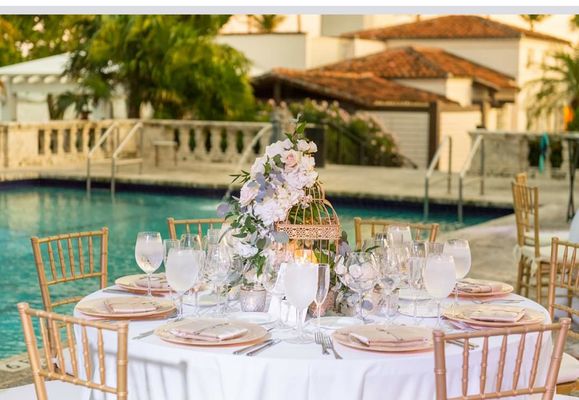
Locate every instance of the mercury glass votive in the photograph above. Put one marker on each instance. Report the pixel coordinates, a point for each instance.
(252, 298)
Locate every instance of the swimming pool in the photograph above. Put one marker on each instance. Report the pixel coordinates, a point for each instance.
(28, 210)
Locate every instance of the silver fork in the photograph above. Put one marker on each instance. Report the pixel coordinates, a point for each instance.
(320, 340)
(330, 345)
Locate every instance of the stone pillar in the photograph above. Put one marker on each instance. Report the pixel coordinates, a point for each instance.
(200, 152)
(215, 153)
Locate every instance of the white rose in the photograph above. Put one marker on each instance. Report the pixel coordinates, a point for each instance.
(307, 163)
(313, 148)
(303, 145)
(248, 193)
(270, 211)
(287, 144)
(291, 158)
(274, 149)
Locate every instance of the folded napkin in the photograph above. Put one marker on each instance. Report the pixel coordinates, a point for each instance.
(157, 282)
(382, 336)
(130, 305)
(208, 331)
(497, 314)
(479, 286)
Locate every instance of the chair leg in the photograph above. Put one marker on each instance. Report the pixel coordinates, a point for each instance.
(520, 276)
(527, 275)
(539, 278)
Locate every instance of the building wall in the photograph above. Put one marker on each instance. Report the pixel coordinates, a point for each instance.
(459, 90)
(457, 124)
(437, 86)
(410, 130)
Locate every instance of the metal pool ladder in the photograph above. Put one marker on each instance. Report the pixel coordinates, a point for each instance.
(430, 171)
(115, 160)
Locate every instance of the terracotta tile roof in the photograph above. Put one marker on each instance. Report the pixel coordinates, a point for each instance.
(421, 63)
(452, 27)
(364, 89)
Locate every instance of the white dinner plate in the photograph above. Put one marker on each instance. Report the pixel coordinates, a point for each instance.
(409, 294)
(259, 318)
(334, 322)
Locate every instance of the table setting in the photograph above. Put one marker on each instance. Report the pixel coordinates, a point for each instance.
(297, 313)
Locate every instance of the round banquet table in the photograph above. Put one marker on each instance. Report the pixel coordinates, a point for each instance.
(159, 370)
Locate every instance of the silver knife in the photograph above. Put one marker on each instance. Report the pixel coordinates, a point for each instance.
(252, 347)
(262, 348)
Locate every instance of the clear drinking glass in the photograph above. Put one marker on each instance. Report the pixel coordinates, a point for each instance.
(360, 273)
(323, 288)
(415, 270)
(398, 234)
(217, 265)
(439, 279)
(273, 278)
(182, 269)
(418, 248)
(301, 283)
(149, 254)
(459, 249)
(390, 276)
(434, 249)
(234, 278)
(169, 244)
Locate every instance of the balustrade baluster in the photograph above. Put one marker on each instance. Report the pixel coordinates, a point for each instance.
(200, 150)
(215, 152)
(184, 150)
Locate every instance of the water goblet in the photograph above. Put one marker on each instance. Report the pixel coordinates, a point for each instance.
(459, 249)
(415, 270)
(301, 283)
(398, 234)
(323, 288)
(434, 249)
(390, 277)
(439, 279)
(217, 264)
(360, 273)
(272, 278)
(182, 269)
(149, 254)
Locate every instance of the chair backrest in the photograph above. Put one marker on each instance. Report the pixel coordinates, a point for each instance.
(526, 207)
(521, 178)
(548, 388)
(75, 255)
(365, 228)
(195, 226)
(81, 375)
(564, 276)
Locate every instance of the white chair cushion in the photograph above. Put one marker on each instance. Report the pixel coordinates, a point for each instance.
(529, 252)
(545, 237)
(563, 397)
(569, 370)
(56, 390)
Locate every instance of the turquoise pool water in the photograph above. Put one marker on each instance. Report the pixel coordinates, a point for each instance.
(39, 210)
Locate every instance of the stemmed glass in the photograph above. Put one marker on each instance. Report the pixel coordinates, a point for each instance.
(415, 270)
(439, 279)
(398, 234)
(459, 249)
(217, 265)
(234, 278)
(273, 278)
(301, 283)
(360, 273)
(149, 254)
(323, 288)
(390, 276)
(182, 269)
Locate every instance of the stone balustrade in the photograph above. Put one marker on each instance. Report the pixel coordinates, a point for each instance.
(66, 142)
(507, 153)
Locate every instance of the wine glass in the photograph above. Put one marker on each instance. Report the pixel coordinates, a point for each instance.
(418, 248)
(169, 244)
(301, 284)
(234, 278)
(323, 288)
(217, 264)
(459, 249)
(439, 279)
(390, 276)
(434, 249)
(360, 273)
(182, 269)
(149, 254)
(398, 234)
(415, 270)
(272, 278)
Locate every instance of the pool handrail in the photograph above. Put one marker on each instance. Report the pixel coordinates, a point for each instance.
(430, 171)
(479, 142)
(97, 146)
(138, 160)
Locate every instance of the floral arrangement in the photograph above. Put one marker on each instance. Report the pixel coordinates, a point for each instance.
(276, 183)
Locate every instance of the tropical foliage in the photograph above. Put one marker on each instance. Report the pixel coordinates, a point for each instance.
(557, 89)
(533, 19)
(267, 23)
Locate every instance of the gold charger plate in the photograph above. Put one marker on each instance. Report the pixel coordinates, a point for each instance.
(255, 334)
(342, 336)
(462, 312)
(506, 289)
(97, 308)
(129, 282)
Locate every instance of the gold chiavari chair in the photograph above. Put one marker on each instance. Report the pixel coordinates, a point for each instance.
(532, 256)
(195, 226)
(74, 260)
(521, 178)
(363, 227)
(49, 382)
(547, 389)
(563, 288)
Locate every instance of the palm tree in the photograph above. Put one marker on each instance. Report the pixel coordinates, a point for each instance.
(533, 19)
(268, 23)
(557, 88)
(575, 21)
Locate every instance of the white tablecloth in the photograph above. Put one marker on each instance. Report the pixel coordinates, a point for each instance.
(159, 370)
